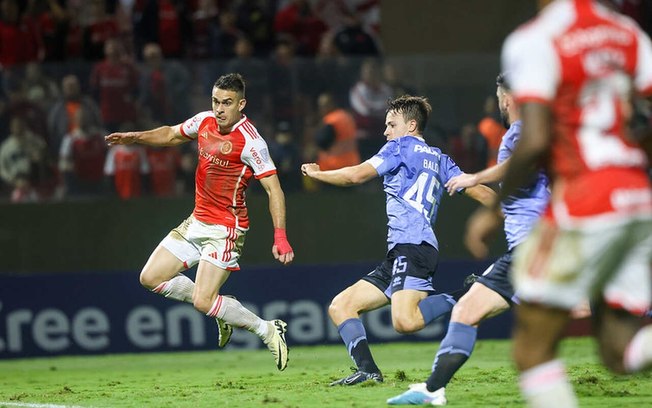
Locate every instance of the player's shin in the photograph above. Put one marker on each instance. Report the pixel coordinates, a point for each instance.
(354, 337)
(453, 352)
(231, 311)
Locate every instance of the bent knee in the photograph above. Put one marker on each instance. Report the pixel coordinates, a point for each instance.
(202, 304)
(405, 325)
(338, 310)
(148, 280)
(461, 313)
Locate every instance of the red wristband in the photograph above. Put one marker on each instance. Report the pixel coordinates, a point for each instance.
(281, 241)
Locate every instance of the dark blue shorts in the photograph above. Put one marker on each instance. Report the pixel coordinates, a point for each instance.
(496, 278)
(407, 266)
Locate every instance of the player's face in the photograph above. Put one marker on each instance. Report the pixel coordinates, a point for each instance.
(503, 101)
(227, 108)
(395, 126)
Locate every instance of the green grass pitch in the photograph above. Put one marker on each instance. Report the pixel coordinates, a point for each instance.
(249, 379)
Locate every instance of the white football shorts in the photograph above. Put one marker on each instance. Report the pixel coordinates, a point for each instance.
(194, 240)
(562, 267)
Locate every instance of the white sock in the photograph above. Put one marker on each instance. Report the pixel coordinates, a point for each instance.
(178, 288)
(232, 312)
(638, 354)
(546, 385)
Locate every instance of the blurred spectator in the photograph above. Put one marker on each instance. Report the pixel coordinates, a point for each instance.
(336, 138)
(164, 164)
(163, 22)
(19, 106)
(284, 84)
(39, 88)
(368, 99)
(255, 70)
(20, 42)
(82, 155)
(126, 169)
(61, 117)
(394, 79)
(299, 21)
(333, 72)
(73, 32)
(354, 40)
(50, 18)
(255, 19)
(492, 128)
(469, 149)
(333, 13)
(283, 149)
(100, 27)
(24, 166)
(20, 152)
(115, 81)
(204, 23)
(226, 36)
(165, 86)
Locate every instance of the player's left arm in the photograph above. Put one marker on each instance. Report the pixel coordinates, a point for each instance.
(281, 249)
(346, 176)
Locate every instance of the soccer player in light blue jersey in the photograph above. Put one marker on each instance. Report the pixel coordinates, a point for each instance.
(414, 175)
(492, 293)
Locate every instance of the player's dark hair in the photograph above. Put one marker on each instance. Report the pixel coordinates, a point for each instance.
(412, 108)
(501, 81)
(231, 82)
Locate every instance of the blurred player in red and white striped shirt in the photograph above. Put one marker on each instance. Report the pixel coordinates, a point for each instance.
(578, 70)
(231, 152)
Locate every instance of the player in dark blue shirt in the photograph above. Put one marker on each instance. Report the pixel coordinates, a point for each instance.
(414, 175)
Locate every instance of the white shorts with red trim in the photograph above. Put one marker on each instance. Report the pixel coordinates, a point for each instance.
(194, 240)
(561, 267)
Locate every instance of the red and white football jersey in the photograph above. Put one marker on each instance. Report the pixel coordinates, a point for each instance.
(226, 164)
(585, 61)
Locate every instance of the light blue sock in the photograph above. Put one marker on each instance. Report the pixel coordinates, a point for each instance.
(435, 306)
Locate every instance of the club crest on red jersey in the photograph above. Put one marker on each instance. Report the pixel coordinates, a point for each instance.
(226, 147)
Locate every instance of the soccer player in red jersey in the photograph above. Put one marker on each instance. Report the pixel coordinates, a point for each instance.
(577, 71)
(231, 152)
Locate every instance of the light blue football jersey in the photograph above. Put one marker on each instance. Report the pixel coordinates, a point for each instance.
(414, 175)
(524, 207)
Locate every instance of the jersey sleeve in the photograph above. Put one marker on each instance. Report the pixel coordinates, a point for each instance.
(448, 169)
(387, 159)
(531, 66)
(643, 75)
(255, 154)
(190, 128)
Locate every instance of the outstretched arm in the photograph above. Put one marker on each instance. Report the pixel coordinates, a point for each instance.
(162, 136)
(533, 145)
(492, 174)
(281, 249)
(346, 176)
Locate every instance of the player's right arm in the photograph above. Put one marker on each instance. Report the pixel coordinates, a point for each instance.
(161, 136)
(492, 174)
(346, 176)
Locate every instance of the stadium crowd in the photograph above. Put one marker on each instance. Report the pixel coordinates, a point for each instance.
(73, 71)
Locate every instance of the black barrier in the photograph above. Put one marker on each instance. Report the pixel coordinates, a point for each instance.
(44, 315)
